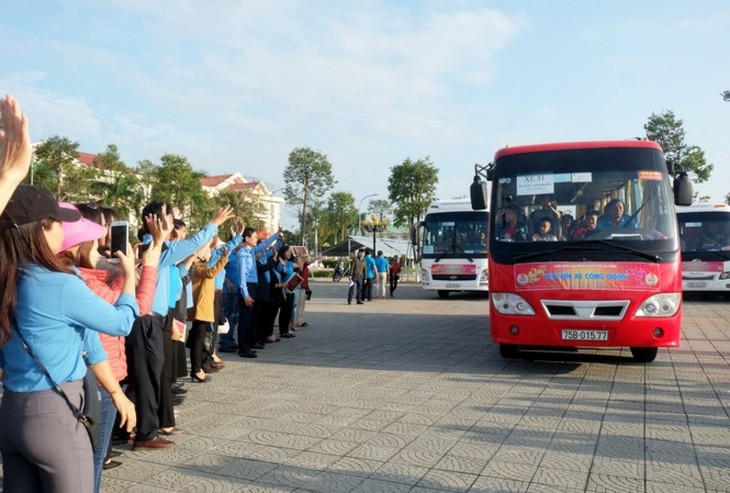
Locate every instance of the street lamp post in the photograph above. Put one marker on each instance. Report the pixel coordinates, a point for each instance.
(359, 220)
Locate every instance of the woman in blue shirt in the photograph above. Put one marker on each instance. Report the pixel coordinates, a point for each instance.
(286, 269)
(44, 446)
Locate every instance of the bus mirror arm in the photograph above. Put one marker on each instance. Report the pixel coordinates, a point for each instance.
(478, 189)
(682, 186)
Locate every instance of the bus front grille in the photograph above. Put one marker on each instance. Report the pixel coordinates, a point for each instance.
(585, 310)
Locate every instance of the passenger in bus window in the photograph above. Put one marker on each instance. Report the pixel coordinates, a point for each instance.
(513, 229)
(568, 223)
(548, 208)
(544, 230)
(712, 238)
(588, 224)
(614, 218)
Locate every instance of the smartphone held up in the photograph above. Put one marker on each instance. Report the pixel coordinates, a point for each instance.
(120, 238)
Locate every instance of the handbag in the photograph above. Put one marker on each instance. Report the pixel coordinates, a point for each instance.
(90, 414)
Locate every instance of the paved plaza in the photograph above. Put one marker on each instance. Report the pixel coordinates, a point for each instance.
(410, 395)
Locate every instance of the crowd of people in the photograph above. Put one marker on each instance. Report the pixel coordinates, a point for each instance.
(72, 312)
(369, 275)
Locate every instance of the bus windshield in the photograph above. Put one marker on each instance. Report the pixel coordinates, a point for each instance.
(455, 234)
(611, 194)
(704, 231)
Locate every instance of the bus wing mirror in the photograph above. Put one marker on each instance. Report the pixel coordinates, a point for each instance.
(683, 190)
(478, 192)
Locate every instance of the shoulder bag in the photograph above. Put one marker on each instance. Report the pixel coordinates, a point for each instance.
(90, 415)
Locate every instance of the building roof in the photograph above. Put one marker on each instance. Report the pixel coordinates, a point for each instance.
(215, 180)
(87, 158)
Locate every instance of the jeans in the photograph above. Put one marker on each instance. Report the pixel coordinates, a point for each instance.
(108, 415)
(230, 310)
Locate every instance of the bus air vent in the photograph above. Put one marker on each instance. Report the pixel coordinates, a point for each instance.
(585, 310)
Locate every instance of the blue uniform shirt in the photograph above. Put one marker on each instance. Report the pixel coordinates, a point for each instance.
(216, 255)
(54, 311)
(246, 260)
(175, 252)
(382, 263)
(370, 266)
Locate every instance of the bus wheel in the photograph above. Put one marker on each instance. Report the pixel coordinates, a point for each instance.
(443, 294)
(508, 351)
(644, 354)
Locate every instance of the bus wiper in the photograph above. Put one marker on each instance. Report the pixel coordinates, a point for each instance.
(463, 251)
(640, 253)
(440, 256)
(580, 246)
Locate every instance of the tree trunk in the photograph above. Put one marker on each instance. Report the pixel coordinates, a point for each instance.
(303, 231)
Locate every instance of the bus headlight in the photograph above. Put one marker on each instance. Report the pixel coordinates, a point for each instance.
(724, 275)
(511, 304)
(424, 275)
(484, 277)
(660, 305)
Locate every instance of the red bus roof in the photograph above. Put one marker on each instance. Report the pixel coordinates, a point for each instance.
(563, 146)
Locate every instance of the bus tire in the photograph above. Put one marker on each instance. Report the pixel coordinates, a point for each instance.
(509, 351)
(644, 354)
(443, 294)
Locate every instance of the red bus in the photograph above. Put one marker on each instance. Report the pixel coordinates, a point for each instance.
(583, 246)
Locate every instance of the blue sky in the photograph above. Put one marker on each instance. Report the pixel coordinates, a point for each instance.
(235, 85)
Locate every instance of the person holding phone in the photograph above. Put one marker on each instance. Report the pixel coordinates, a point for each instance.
(80, 246)
(119, 238)
(44, 445)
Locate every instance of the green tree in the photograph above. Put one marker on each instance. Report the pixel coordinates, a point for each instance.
(411, 188)
(308, 174)
(175, 181)
(246, 206)
(59, 154)
(666, 129)
(116, 185)
(339, 217)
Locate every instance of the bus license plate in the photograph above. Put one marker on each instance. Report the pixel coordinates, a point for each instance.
(584, 335)
(453, 285)
(697, 284)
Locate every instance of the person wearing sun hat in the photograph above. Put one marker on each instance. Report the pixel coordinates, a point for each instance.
(46, 305)
(80, 245)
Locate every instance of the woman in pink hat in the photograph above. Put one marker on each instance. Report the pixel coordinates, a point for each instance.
(80, 245)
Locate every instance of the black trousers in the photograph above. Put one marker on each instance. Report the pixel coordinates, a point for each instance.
(145, 359)
(165, 408)
(368, 289)
(393, 283)
(247, 321)
(269, 310)
(285, 313)
(196, 340)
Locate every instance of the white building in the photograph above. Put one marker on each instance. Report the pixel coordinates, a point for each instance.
(256, 190)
